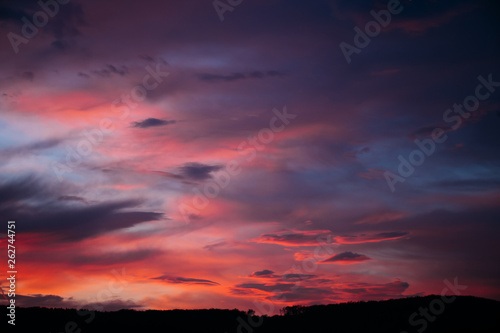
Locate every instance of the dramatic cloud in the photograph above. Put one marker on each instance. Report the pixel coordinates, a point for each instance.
(77, 223)
(42, 210)
(20, 189)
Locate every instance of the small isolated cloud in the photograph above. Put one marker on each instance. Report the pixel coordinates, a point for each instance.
(262, 274)
(198, 171)
(152, 122)
(183, 280)
(346, 258)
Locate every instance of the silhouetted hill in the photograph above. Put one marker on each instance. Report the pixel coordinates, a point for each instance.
(429, 314)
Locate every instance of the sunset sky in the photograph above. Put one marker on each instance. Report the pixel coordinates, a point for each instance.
(176, 154)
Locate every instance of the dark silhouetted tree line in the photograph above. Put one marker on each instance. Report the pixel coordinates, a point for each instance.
(464, 315)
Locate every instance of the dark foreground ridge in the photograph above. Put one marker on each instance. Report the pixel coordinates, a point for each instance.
(465, 314)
